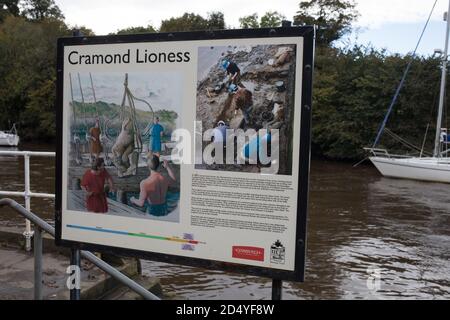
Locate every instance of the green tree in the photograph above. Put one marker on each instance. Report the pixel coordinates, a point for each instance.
(85, 31)
(37, 10)
(193, 22)
(250, 21)
(334, 18)
(216, 20)
(133, 30)
(271, 19)
(27, 74)
(39, 114)
(8, 7)
(352, 91)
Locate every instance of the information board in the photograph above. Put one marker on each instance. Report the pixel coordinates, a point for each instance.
(189, 148)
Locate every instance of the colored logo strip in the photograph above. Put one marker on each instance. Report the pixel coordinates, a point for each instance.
(130, 234)
(248, 253)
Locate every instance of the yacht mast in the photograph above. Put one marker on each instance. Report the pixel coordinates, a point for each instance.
(437, 141)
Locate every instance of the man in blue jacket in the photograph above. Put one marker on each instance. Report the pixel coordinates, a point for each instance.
(156, 133)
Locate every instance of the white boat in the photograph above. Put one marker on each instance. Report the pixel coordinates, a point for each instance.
(435, 168)
(9, 138)
(425, 169)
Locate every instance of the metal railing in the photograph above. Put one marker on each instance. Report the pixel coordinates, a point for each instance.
(42, 226)
(385, 154)
(27, 193)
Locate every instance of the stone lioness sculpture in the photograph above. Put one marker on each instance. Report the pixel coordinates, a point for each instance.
(124, 157)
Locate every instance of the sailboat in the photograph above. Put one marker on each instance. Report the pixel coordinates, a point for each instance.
(9, 138)
(435, 168)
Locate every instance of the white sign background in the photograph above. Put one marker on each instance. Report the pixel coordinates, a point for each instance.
(218, 242)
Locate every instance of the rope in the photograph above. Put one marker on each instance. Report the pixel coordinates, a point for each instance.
(148, 104)
(147, 129)
(431, 117)
(76, 139)
(361, 162)
(424, 141)
(401, 140)
(92, 86)
(405, 142)
(122, 106)
(402, 82)
(81, 89)
(130, 98)
(83, 106)
(73, 106)
(93, 93)
(137, 135)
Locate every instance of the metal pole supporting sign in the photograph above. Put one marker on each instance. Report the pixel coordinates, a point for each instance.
(75, 276)
(277, 289)
(75, 258)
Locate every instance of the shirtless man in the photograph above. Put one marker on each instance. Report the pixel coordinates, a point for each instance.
(154, 189)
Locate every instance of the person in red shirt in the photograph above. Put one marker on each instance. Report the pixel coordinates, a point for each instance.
(93, 183)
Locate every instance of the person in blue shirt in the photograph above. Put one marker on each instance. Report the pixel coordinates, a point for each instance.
(156, 133)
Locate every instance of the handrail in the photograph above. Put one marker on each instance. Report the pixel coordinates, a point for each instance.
(27, 194)
(384, 153)
(27, 153)
(85, 254)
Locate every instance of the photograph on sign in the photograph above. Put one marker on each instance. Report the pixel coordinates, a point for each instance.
(184, 149)
(248, 88)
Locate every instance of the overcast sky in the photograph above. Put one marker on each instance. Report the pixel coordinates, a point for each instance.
(391, 24)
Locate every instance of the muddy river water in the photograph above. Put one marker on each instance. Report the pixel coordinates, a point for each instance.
(369, 237)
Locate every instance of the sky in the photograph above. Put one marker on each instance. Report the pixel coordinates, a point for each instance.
(156, 88)
(394, 25)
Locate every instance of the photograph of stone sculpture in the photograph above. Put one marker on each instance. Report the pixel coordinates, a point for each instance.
(247, 87)
(120, 150)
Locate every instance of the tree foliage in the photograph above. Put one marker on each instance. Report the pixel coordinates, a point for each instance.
(270, 19)
(334, 18)
(352, 92)
(85, 31)
(38, 10)
(9, 7)
(249, 22)
(27, 74)
(353, 87)
(193, 22)
(216, 20)
(133, 30)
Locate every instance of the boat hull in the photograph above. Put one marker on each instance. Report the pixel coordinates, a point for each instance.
(424, 169)
(9, 140)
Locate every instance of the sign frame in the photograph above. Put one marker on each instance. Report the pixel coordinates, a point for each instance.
(308, 33)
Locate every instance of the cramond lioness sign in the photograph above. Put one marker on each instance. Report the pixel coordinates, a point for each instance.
(190, 148)
(139, 57)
